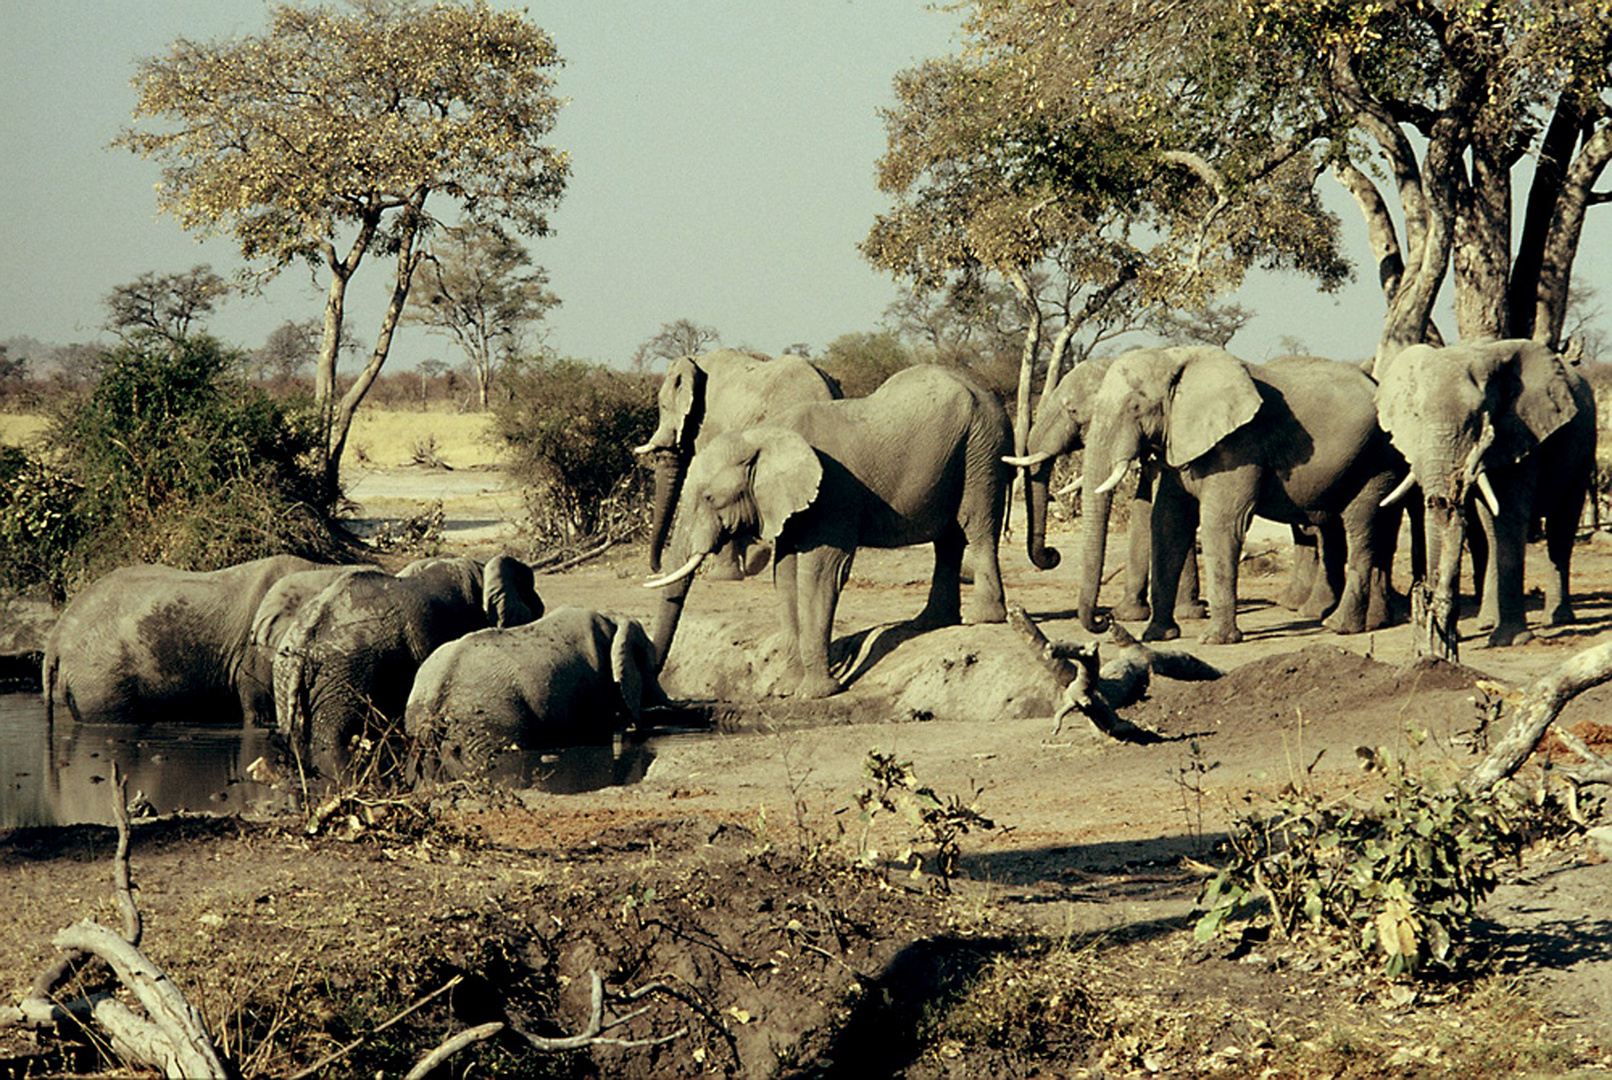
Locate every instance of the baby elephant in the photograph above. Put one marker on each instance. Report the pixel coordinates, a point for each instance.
(572, 677)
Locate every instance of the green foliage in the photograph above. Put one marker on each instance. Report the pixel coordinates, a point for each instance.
(860, 362)
(1402, 877)
(171, 458)
(569, 428)
(941, 822)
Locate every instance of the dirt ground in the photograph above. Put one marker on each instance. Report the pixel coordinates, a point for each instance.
(723, 878)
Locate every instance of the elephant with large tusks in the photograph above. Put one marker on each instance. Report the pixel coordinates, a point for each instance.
(147, 643)
(917, 461)
(1062, 424)
(1295, 442)
(700, 398)
(346, 662)
(1502, 432)
(573, 677)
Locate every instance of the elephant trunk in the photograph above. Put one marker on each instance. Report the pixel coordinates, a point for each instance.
(670, 468)
(1035, 505)
(1096, 501)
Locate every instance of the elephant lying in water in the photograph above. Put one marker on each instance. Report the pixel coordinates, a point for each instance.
(148, 643)
(346, 662)
(572, 677)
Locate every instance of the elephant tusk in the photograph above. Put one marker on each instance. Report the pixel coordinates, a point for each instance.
(1399, 492)
(1028, 461)
(646, 448)
(1487, 490)
(1114, 477)
(1071, 487)
(677, 575)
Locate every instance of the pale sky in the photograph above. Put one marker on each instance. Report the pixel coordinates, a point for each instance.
(723, 171)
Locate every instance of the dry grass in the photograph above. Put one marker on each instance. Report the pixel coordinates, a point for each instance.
(386, 438)
(19, 429)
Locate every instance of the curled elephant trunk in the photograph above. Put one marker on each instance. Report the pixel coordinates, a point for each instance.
(669, 471)
(1096, 503)
(1035, 506)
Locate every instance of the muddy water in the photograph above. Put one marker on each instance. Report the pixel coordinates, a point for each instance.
(61, 776)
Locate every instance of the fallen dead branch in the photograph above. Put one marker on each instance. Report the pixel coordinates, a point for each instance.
(1538, 707)
(1097, 690)
(592, 1035)
(171, 1035)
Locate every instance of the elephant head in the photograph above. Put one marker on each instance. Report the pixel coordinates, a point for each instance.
(632, 667)
(743, 484)
(1062, 423)
(509, 592)
(1173, 405)
(1459, 414)
(682, 408)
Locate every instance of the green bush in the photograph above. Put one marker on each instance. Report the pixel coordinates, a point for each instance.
(169, 458)
(1401, 877)
(569, 428)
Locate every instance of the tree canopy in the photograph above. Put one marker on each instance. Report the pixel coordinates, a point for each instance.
(323, 139)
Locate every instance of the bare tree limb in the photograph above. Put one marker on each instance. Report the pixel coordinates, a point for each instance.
(1538, 707)
(451, 1046)
(336, 1055)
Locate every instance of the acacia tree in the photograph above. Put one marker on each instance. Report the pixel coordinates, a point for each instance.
(338, 132)
(683, 337)
(1019, 155)
(164, 305)
(480, 287)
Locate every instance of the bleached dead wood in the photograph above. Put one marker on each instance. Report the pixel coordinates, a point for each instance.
(1096, 690)
(171, 1035)
(1538, 707)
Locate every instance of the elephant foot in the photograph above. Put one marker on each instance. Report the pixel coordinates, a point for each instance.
(1315, 609)
(930, 619)
(1161, 632)
(1132, 611)
(1560, 615)
(987, 611)
(814, 687)
(1503, 636)
(1221, 636)
(1345, 623)
(1486, 620)
(1194, 610)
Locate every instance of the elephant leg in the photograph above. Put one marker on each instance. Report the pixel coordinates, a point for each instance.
(1327, 586)
(986, 601)
(1188, 594)
(1226, 511)
(1380, 598)
(1356, 533)
(1175, 523)
(1306, 556)
(820, 575)
(1561, 528)
(1133, 606)
(944, 606)
(785, 579)
(1506, 571)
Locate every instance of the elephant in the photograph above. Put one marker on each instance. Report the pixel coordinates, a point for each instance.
(147, 643)
(700, 398)
(1502, 432)
(1062, 423)
(919, 460)
(1294, 442)
(572, 677)
(349, 656)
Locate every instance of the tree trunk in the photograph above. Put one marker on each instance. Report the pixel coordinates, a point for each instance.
(1541, 703)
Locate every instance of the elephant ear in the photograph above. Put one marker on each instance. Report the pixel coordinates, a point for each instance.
(1540, 395)
(687, 380)
(1211, 396)
(785, 477)
(1399, 394)
(509, 592)
(632, 663)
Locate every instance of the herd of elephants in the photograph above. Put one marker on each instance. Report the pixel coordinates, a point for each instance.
(1476, 442)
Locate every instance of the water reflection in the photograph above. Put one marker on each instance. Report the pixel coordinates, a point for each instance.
(63, 777)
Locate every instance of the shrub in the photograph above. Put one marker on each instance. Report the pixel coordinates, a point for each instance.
(1401, 877)
(570, 428)
(170, 458)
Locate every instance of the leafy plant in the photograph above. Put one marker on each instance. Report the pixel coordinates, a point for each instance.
(942, 822)
(1401, 876)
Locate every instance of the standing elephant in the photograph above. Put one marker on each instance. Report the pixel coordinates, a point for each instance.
(351, 652)
(700, 398)
(148, 643)
(1062, 424)
(917, 461)
(573, 677)
(1295, 442)
(1513, 422)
